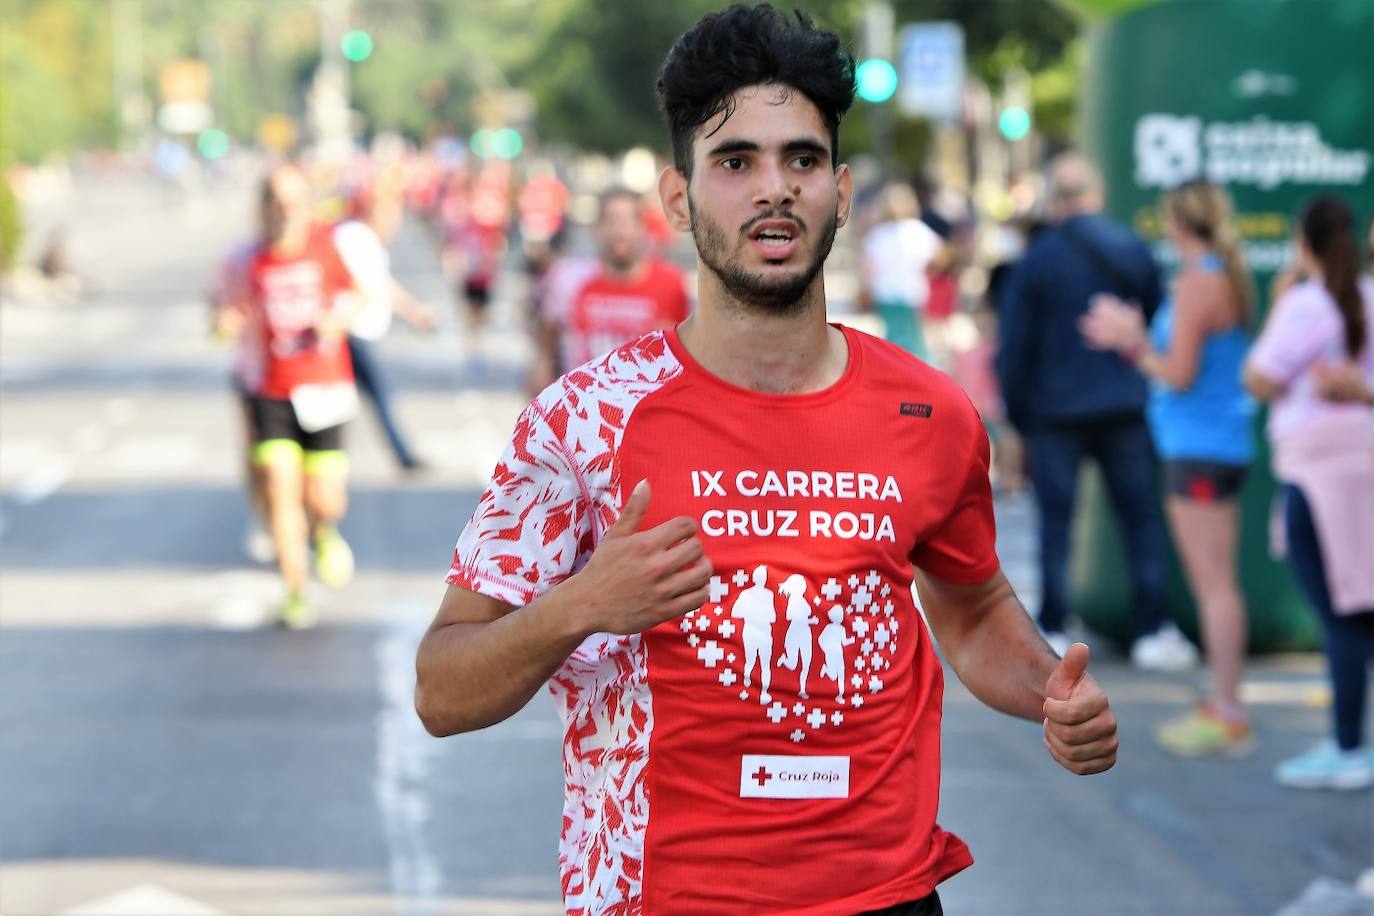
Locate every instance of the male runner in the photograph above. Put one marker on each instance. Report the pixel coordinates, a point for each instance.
(300, 305)
(641, 490)
(629, 295)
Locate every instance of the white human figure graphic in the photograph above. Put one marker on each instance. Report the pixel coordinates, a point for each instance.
(796, 645)
(833, 639)
(755, 607)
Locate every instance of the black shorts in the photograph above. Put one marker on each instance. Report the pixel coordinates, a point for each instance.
(274, 419)
(1203, 481)
(478, 291)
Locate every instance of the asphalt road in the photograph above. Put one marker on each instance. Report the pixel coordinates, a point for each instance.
(165, 752)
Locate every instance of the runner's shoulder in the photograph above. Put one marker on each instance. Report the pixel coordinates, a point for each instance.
(617, 379)
(929, 392)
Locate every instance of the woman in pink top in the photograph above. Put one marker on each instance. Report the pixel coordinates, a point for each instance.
(1324, 455)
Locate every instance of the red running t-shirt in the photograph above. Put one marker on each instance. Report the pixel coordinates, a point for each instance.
(607, 313)
(778, 749)
(289, 295)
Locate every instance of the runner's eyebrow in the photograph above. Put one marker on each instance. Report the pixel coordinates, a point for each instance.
(807, 145)
(734, 146)
(799, 145)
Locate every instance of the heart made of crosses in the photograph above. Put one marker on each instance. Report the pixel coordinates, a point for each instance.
(807, 655)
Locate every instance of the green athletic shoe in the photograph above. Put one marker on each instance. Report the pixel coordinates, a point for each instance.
(1202, 733)
(333, 558)
(296, 613)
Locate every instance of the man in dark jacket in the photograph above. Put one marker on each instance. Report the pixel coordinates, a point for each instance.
(1071, 402)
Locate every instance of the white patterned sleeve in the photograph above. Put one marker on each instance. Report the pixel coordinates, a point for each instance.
(532, 527)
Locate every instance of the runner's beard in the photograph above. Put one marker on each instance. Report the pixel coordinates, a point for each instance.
(781, 296)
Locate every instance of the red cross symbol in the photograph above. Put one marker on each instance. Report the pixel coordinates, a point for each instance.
(762, 775)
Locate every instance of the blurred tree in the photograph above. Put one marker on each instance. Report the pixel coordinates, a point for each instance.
(590, 65)
(11, 215)
(595, 63)
(56, 70)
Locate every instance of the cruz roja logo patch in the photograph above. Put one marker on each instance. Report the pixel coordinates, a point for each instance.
(910, 409)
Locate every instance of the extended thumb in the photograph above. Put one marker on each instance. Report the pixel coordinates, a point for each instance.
(633, 512)
(1070, 670)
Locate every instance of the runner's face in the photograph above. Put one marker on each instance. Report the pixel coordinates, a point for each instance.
(286, 208)
(620, 231)
(766, 197)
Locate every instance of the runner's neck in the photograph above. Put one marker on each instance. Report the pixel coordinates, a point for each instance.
(772, 354)
(627, 275)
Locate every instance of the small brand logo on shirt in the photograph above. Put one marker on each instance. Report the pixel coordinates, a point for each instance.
(771, 776)
(915, 410)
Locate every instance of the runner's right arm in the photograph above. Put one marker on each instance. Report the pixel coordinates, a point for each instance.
(482, 660)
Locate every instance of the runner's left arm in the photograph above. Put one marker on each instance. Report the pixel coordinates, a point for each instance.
(990, 641)
(999, 655)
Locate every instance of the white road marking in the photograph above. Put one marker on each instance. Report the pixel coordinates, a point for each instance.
(143, 900)
(156, 454)
(20, 453)
(1328, 897)
(90, 437)
(404, 749)
(40, 483)
(120, 411)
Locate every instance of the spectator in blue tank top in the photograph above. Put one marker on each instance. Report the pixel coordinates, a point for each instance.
(1201, 421)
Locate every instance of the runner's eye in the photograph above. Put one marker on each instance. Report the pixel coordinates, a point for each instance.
(733, 164)
(804, 162)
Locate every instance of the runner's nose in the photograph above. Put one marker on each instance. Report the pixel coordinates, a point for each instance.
(774, 188)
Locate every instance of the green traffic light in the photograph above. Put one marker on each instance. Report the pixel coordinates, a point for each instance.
(1014, 122)
(507, 143)
(213, 143)
(877, 80)
(356, 46)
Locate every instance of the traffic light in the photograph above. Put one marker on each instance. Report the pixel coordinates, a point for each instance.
(505, 143)
(877, 80)
(1014, 122)
(212, 143)
(356, 46)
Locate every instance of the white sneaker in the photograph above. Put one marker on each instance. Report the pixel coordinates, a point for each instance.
(1164, 650)
(1059, 641)
(1326, 766)
(258, 543)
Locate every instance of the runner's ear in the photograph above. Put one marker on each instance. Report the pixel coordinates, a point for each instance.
(672, 191)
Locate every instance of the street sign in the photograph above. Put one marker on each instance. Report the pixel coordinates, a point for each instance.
(931, 81)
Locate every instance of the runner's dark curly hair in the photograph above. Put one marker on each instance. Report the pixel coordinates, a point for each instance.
(750, 46)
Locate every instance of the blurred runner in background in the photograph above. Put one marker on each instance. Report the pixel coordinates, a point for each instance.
(628, 295)
(300, 302)
(476, 218)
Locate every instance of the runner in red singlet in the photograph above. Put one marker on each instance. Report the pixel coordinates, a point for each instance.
(706, 542)
(300, 303)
